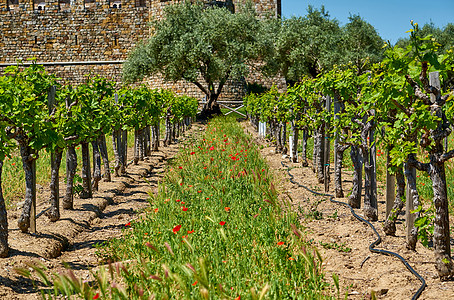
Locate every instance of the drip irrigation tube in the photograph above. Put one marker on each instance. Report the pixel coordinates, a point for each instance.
(373, 244)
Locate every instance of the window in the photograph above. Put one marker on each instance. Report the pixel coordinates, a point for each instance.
(12, 5)
(115, 3)
(89, 4)
(64, 4)
(39, 5)
(141, 3)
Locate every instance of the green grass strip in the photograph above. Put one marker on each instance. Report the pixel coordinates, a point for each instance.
(217, 230)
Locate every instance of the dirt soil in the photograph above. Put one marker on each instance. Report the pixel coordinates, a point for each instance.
(71, 240)
(359, 270)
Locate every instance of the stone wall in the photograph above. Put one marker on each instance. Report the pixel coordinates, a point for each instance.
(80, 32)
(91, 30)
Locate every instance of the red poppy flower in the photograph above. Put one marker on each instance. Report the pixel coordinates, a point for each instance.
(222, 223)
(96, 296)
(192, 153)
(176, 229)
(291, 258)
(128, 224)
(178, 200)
(194, 283)
(233, 157)
(156, 210)
(199, 191)
(280, 243)
(204, 168)
(227, 209)
(184, 209)
(13, 164)
(190, 231)
(212, 148)
(180, 167)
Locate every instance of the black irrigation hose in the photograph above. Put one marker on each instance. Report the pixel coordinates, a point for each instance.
(375, 243)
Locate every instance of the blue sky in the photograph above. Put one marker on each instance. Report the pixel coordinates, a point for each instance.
(391, 18)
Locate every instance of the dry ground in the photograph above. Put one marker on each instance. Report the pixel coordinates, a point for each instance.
(359, 270)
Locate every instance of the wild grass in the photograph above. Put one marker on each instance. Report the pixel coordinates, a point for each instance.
(215, 230)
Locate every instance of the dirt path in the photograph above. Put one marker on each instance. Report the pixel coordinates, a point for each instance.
(359, 270)
(93, 221)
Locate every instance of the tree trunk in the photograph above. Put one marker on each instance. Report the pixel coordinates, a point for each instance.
(315, 139)
(105, 157)
(390, 224)
(340, 149)
(441, 237)
(86, 173)
(116, 145)
(147, 141)
(124, 151)
(3, 220)
(30, 186)
(320, 163)
(355, 197)
(155, 137)
(279, 147)
(211, 107)
(414, 196)
(177, 129)
(174, 130)
(370, 206)
(370, 184)
(54, 212)
(96, 165)
(283, 130)
(295, 132)
(138, 144)
(168, 130)
(304, 162)
(71, 166)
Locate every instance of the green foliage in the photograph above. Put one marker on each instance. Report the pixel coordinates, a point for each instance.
(305, 45)
(394, 94)
(85, 111)
(362, 45)
(203, 45)
(24, 115)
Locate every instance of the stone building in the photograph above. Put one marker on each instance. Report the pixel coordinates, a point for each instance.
(73, 38)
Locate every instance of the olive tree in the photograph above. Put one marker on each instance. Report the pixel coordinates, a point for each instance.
(204, 45)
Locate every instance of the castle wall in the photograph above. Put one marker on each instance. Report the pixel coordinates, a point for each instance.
(91, 30)
(73, 33)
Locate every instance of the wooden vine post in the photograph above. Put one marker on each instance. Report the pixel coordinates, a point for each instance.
(55, 163)
(33, 206)
(327, 145)
(409, 207)
(336, 138)
(373, 166)
(390, 186)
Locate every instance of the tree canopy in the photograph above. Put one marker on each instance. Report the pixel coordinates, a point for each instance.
(305, 46)
(205, 45)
